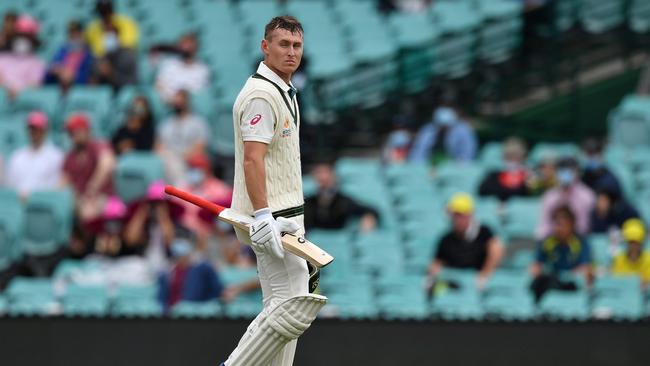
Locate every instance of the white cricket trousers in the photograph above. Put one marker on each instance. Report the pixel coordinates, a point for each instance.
(280, 279)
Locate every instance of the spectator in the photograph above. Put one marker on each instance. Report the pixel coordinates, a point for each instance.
(184, 73)
(181, 135)
(72, 63)
(564, 250)
(8, 31)
(117, 68)
(22, 68)
(445, 137)
(513, 180)
(571, 192)
(110, 228)
(331, 209)
(611, 210)
(189, 279)
(111, 31)
(153, 222)
(37, 166)
(200, 181)
(398, 143)
(468, 244)
(543, 176)
(87, 168)
(138, 131)
(633, 260)
(596, 173)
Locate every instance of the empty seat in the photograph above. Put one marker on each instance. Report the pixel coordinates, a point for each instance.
(565, 305)
(189, 309)
(13, 134)
(11, 227)
(48, 221)
(85, 300)
(522, 216)
(639, 16)
(46, 99)
(134, 173)
(598, 16)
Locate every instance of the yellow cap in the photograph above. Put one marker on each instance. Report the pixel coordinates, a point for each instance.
(461, 203)
(634, 230)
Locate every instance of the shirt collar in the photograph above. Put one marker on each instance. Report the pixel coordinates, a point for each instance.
(269, 74)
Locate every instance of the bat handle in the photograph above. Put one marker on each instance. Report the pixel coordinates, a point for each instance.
(189, 197)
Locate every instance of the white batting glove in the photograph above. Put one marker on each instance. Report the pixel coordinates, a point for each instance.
(265, 232)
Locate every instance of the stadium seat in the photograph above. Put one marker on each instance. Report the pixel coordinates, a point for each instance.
(500, 32)
(45, 98)
(13, 134)
(137, 308)
(619, 298)
(48, 221)
(457, 23)
(558, 150)
(31, 296)
(85, 300)
(629, 123)
(522, 216)
(601, 250)
(11, 227)
(565, 305)
(94, 100)
(639, 16)
(134, 173)
(246, 307)
(455, 177)
(189, 309)
(598, 16)
(233, 276)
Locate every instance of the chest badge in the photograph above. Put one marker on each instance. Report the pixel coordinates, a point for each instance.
(286, 131)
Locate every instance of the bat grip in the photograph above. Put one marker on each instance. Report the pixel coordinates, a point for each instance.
(189, 197)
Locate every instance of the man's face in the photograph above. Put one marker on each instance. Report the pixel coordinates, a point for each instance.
(563, 227)
(36, 135)
(460, 222)
(324, 176)
(180, 101)
(187, 46)
(283, 51)
(80, 136)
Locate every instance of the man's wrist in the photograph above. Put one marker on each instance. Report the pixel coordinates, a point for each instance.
(263, 213)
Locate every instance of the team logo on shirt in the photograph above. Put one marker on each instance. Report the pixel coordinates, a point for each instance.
(286, 131)
(256, 119)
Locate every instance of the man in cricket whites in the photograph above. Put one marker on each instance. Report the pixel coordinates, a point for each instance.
(268, 186)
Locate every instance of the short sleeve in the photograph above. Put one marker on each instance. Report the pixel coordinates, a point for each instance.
(258, 121)
(441, 249)
(540, 255)
(585, 253)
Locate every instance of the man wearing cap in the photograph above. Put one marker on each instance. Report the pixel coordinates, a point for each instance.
(36, 166)
(571, 192)
(633, 259)
(87, 168)
(468, 244)
(446, 136)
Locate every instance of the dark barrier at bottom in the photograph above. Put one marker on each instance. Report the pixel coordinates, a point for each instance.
(163, 342)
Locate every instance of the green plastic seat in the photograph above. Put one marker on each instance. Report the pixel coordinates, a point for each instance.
(522, 216)
(48, 221)
(11, 227)
(453, 177)
(85, 300)
(233, 275)
(13, 133)
(46, 99)
(564, 305)
(520, 307)
(639, 16)
(189, 309)
(454, 51)
(31, 296)
(499, 34)
(137, 308)
(599, 16)
(134, 173)
(543, 150)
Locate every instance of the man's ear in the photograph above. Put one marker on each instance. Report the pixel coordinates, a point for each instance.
(265, 46)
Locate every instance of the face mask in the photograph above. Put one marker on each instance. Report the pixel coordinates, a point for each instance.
(111, 42)
(178, 109)
(22, 46)
(593, 164)
(186, 54)
(565, 176)
(195, 176)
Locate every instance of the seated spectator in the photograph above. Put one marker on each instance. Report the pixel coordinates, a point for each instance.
(596, 174)
(543, 176)
(469, 244)
(445, 137)
(571, 192)
(36, 166)
(633, 259)
(111, 31)
(88, 168)
(138, 131)
(8, 31)
(72, 62)
(181, 135)
(611, 210)
(564, 250)
(513, 180)
(21, 68)
(154, 221)
(201, 181)
(117, 68)
(331, 209)
(184, 73)
(110, 228)
(398, 142)
(189, 279)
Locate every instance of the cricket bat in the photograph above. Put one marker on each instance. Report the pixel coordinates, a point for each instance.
(297, 245)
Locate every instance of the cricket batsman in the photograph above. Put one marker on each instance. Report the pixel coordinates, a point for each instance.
(268, 186)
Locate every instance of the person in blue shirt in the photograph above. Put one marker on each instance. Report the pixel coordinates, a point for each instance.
(72, 63)
(188, 279)
(562, 252)
(447, 136)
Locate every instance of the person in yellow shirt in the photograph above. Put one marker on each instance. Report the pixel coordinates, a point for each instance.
(634, 260)
(111, 31)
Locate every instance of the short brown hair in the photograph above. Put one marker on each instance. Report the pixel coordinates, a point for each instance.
(286, 22)
(563, 212)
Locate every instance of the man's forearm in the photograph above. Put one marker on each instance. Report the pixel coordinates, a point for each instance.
(255, 175)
